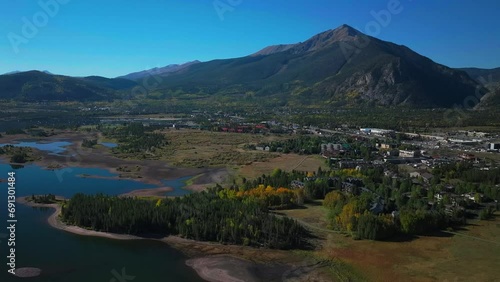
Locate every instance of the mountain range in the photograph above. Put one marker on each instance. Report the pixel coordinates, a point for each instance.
(158, 71)
(35, 86)
(339, 67)
(488, 77)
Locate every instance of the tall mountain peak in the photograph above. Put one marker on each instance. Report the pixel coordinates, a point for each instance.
(346, 30)
(318, 41)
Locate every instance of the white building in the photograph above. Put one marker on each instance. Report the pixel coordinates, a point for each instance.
(408, 153)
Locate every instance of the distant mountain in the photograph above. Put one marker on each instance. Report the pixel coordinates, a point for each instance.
(487, 77)
(318, 42)
(39, 86)
(158, 71)
(337, 67)
(490, 78)
(274, 49)
(112, 83)
(11, 72)
(490, 100)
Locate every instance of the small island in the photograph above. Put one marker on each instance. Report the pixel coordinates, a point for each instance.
(44, 199)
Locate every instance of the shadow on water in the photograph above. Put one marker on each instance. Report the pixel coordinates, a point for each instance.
(16, 166)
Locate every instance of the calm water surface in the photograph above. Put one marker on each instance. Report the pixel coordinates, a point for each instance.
(178, 185)
(55, 148)
(66, 257)
(109, 144)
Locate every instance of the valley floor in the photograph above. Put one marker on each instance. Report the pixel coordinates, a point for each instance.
(469, 254)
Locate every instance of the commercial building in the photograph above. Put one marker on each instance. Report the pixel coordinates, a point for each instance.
(409, 153)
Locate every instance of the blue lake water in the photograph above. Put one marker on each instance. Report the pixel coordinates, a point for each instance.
(56, 147)
(63, 256)
(109, 144)
(66, 182)
(178, 185)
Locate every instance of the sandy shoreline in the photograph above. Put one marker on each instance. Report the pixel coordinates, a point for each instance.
(153, 192)
(211, 268)
(212, 261)
(223, 268)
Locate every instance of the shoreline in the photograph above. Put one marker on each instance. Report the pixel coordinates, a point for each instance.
(212, 261)
(151, 171)
(152, 192)
(213, 268)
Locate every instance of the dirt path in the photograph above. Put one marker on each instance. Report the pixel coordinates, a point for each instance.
(473, 237)
(308, 225)
(305, 158)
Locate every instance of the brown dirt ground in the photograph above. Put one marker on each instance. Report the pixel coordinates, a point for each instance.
(287, 162)
(151, 171)
(440, 256)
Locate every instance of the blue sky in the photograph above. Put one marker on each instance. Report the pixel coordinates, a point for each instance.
(116, 37)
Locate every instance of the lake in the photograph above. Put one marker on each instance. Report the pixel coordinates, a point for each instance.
(109, 144)
(55, 148)
(178, 185)
(63, 256)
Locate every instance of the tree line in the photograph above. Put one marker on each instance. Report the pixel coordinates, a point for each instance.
(352, 214)
(201, 216)
(135, 137)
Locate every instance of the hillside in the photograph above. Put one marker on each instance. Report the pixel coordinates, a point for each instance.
(488, 77)
(34, 86)
(158, 71)
(339, 67)
(336, 67)
(112, 83)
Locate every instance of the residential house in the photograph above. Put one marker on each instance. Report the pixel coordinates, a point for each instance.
(297, 184)
(427, 177)
(385, 146)
(415, 174)
(467, 157)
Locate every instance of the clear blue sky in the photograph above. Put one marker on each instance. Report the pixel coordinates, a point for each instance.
(116, 37)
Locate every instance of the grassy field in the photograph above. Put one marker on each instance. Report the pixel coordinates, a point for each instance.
(196, 148)
(285, 162)
(470, 254)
